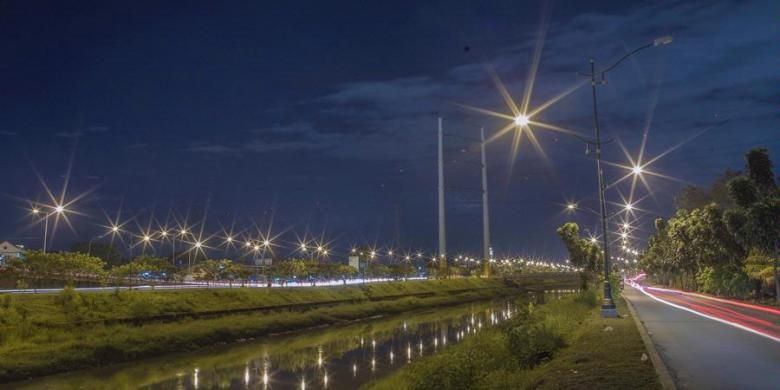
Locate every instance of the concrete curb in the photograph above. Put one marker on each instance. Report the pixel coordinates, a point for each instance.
(667, 382)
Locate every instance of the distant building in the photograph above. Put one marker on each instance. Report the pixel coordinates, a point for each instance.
(8, 250)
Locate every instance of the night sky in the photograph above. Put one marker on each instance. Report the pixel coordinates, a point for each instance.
(322, 115)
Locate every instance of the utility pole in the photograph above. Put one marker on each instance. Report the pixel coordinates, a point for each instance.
(485, 212)
(442, 228)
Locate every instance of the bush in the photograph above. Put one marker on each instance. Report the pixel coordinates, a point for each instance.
(588, 298)
(464, 367)
(71, 303)
(726, 282)
(533, 342)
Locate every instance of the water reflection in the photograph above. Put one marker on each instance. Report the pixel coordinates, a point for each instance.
(335, 357)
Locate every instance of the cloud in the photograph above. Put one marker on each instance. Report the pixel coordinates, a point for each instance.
(717, 65)
(98, 129)
(69, 134)
(213, 149)
(289, 137)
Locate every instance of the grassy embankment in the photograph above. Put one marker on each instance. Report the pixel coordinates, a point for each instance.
(44, 334)
(560, 345)
(292, 352)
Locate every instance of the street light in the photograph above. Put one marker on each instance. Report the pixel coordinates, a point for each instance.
(571, 206)
(521, 120)
(598, 78)
(59, 210)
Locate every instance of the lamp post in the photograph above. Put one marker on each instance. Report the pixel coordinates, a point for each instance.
(598, 78)
(59, 209)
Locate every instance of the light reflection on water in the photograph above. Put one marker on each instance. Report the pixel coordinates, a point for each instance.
(337, 357)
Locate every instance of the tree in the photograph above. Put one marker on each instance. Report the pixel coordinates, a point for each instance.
(755, 221)
(346, 271)
(106, 252)
(658, 258)
(583, 254)
(143, 264)
(693, 197)
(72, 265)
(759, 167)
(34, 267)
(37, 266)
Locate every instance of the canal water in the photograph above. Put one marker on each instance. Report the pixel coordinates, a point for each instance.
(335, 357)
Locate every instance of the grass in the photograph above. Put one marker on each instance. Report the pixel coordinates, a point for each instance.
(53, 333)
(599, 359)
(68, 308)
(561, 345)
(294, 351)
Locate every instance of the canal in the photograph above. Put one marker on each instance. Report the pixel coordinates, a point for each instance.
(335, 357)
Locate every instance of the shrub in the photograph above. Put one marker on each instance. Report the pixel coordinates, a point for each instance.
(726, 282)
(533, 342)
(588, 298)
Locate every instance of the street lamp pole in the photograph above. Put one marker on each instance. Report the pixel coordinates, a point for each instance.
(485, 213)
(608, 305)
(442, 224)
(45, 232)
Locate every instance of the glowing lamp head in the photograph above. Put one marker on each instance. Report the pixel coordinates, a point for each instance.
(59, 209)
(36, 211)
(198, 244)
(637, 170)
(624, 235)
(115, 229)
(571, 206)
(147, 238)
(248, 244)
(626, 226)
(256, 248)
(593, 240)
(521, 120)
(164, 233)
(629, 207)
(266, 243)
(390, 253)
(183, 231)
(230, 239)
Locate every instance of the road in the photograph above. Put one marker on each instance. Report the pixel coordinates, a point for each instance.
(199, 285)
(711, 343)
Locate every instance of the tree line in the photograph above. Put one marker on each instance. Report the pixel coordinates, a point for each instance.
(722, 239)
(35, 267)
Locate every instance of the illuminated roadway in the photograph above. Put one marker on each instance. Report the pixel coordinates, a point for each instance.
(200, 285)
(711, 343)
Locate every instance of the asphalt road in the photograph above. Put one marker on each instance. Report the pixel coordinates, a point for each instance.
(706, 353)
(203, 285)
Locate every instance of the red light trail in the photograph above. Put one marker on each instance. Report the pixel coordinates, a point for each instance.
(760, 320)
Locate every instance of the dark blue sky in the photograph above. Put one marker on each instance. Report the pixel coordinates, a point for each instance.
(324, 113)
